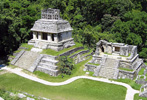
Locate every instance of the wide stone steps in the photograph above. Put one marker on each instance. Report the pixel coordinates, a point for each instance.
(48, 70)
(108, 67)
(50, 57)
(49, 61)
(45, 65)
(107, 72)
(27, 59)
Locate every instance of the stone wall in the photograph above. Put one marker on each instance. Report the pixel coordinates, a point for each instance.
(126, 74)
(17, 57)
(96, 59)
(124, 50)
(128, 63)
(79, 53)
(71, 51)
(48, 71)
(89, 67)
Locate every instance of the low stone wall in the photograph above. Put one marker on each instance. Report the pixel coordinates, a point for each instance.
(89, 67)
(17, 57)
(47, 71)
(71, 51)
(79, 53)
(126, 74)
(80, 59)
(96, 59)
(143, 94)
(141, 81)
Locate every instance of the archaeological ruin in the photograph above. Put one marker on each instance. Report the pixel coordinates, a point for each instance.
(51, 31)
(116, 60)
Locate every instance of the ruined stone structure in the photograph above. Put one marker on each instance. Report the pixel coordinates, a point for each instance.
(117, 60)
(51, 31)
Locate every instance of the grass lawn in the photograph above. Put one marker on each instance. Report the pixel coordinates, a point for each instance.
(130, 82)
(82, 89)
(77, 71)
(136, 97)
(55, 53)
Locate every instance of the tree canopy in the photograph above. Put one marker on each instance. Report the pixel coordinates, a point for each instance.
(113, 20)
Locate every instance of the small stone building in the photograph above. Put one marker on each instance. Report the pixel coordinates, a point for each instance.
(51, 31)
(116, 60)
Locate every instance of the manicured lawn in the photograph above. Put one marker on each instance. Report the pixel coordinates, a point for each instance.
(130, 82)
(55, 53)
(77, 71)
(136, 97)
(82, 89)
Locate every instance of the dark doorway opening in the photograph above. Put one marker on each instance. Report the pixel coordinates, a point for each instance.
(60, 37)
(117, 49)
(37, 34)
(44, 37)
(52, 37)
(102, 48)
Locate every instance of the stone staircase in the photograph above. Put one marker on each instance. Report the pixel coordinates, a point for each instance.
(48, 65)
(108, 68)
(27, 59)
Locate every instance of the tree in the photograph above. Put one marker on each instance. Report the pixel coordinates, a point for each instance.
(143, 53)
(65, 65)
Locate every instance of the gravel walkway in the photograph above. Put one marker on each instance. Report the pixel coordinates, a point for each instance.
(130, 90)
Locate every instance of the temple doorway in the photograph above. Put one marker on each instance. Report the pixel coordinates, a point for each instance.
(44, 36)
(52, 37)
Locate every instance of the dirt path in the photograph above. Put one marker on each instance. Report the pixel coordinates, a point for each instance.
(129, 95)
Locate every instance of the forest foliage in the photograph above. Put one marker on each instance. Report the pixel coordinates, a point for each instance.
(112, 20)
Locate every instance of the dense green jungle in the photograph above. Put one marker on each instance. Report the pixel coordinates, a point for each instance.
(122, 21)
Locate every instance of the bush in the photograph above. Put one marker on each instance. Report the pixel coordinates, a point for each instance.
(66, 65)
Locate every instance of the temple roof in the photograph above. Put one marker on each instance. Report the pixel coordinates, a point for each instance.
(51, 26)
(51, 22)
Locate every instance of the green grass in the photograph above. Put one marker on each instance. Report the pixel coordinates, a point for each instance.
(82, 89)
(141, 72)
(137, 97)
(94, 64)
(125, 69)
(27, 46)
(130, 82)
(56, 53)
(77, 71)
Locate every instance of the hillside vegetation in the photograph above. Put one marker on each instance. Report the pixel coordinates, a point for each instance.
(113, 20)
